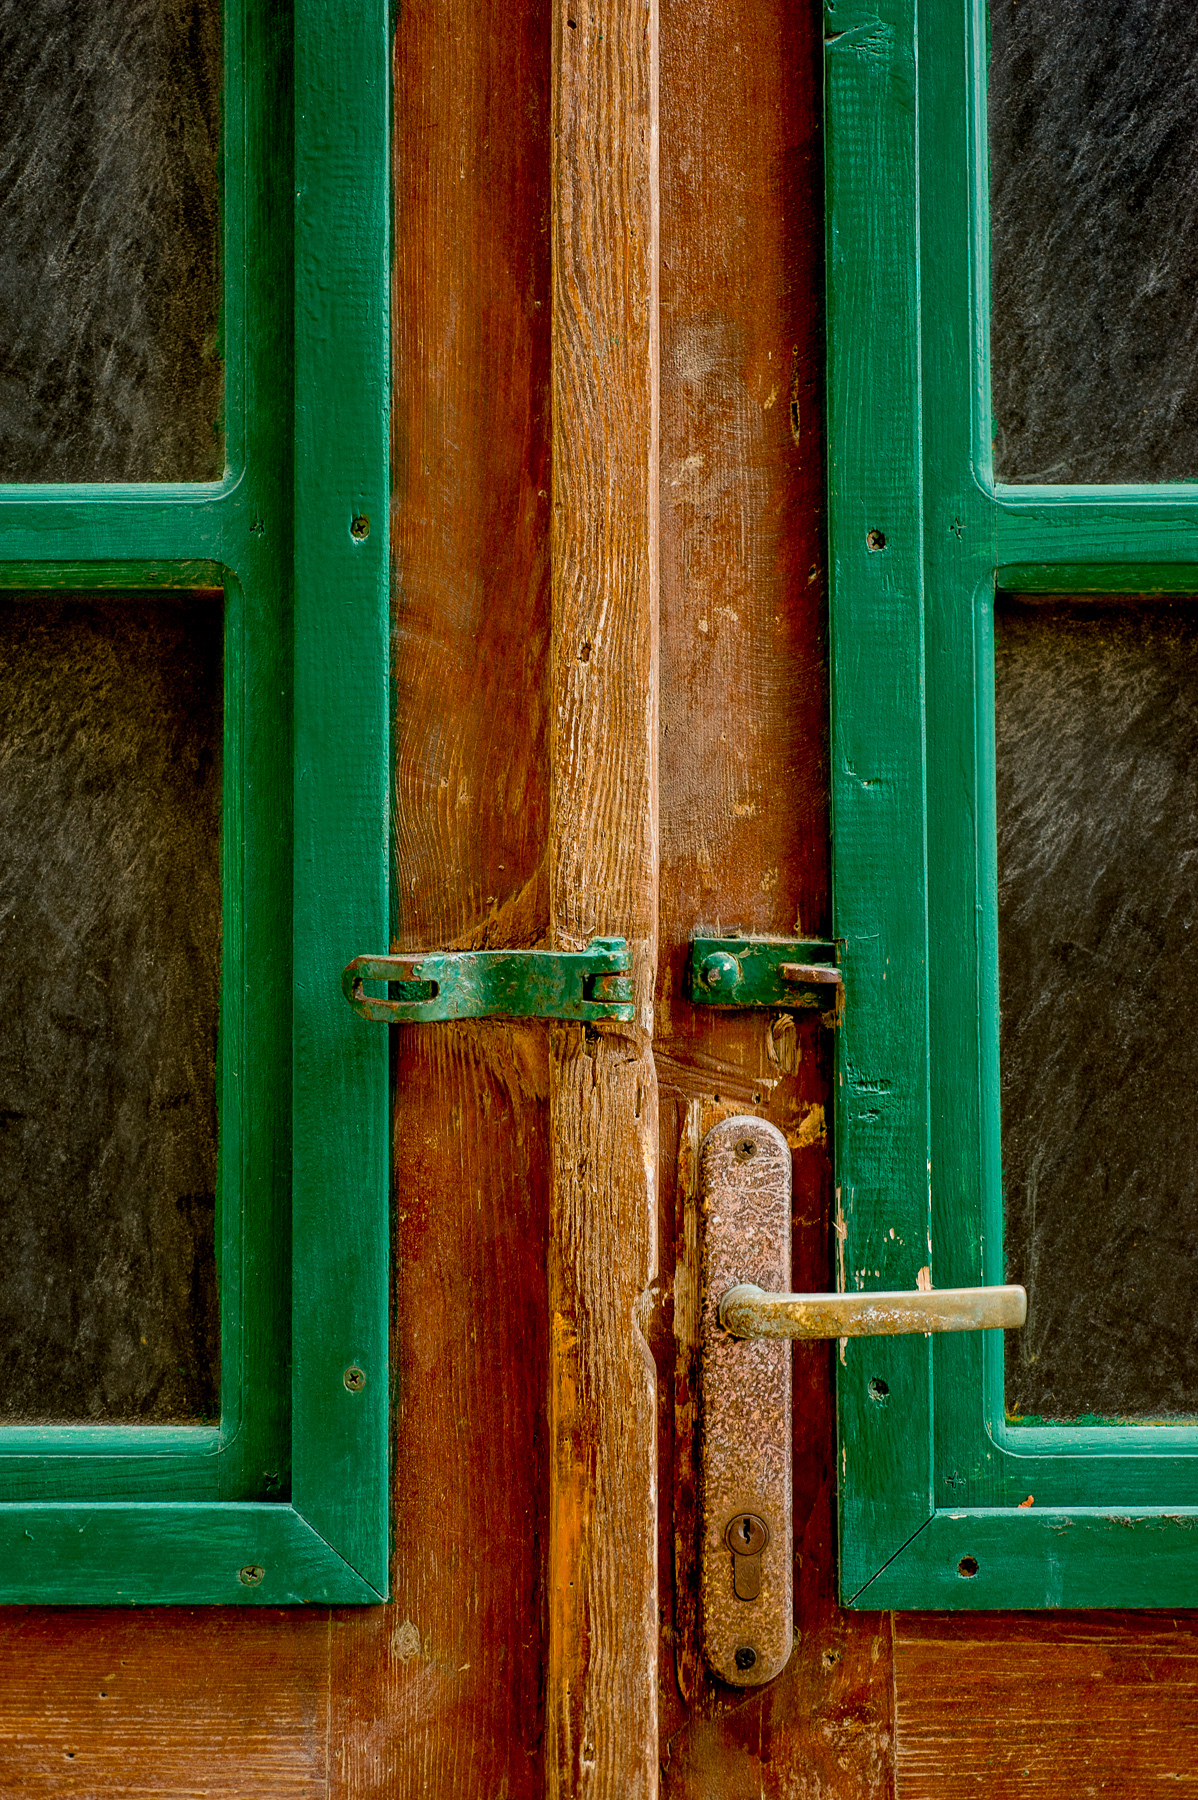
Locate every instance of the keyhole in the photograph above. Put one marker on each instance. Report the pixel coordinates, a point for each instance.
(746, 1535)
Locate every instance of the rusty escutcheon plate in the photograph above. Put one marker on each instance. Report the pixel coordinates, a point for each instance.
(745, 1467)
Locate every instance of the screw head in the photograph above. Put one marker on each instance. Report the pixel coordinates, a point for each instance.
(251, 1575)
(354, 1379)
(359, 527)
(719, 970)
(745, 1657)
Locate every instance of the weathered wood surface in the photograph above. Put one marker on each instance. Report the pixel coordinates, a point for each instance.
(745, 828)
(601, 1679)
(1029, 1706)
(204, 1704)
(441, 1692)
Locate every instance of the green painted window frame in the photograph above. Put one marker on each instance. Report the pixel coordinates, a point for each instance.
(285, 1500)
(933, 1480)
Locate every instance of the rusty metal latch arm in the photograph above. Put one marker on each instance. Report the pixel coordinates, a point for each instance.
(426, 987)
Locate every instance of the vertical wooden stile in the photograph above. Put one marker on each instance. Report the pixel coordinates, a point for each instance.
(601, 1703)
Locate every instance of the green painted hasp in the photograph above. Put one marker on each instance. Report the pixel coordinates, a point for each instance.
(783, 972)
(945, 1502)
(286, 1499)
(595, 983)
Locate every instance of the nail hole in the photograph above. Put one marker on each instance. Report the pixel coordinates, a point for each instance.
(876, 540)
(745, 1657)
(359, 527)
(967, 1568)
(584, 655)
(745, 1150)
(879, 1391)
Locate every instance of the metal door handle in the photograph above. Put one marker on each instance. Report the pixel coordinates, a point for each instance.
(750, 1312)
(747, 1553)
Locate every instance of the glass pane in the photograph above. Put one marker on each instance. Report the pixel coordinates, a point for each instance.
(1094, 239)
(110, 922)
(1096, 705)
(109, 241)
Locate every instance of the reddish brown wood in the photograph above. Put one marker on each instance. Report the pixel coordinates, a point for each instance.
(203, 1704)
(1036, 1705)
(471, 473)
(744, 820)
(441, 1692)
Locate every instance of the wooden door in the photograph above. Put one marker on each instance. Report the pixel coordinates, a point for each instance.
(610, 715)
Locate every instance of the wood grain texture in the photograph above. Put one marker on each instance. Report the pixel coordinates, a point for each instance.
(207, 1704)
(745, 830)
(440, 1694)
(1019, 1706)
(601, 1724)
(470, 475)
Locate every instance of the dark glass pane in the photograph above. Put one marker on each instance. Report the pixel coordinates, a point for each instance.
(1094, 221)
(110, 911)
(1097, 756)
(109, 246)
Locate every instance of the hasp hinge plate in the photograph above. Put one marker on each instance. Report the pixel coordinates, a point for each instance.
(789, 972)
(428, 986)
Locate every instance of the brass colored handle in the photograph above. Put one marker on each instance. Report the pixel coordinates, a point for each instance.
(750, 1312)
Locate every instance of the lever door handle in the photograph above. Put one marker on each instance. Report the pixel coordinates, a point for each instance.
(748, 1311)
(747, 1557)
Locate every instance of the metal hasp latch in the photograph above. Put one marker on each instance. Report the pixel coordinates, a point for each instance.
(790, 972)
(595, 983)
(746, 1320)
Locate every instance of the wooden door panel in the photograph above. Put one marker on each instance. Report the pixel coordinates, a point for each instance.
(745, 823)
(442, 1691)
(1023, 1706)
(211, 1702)
(529, 809)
